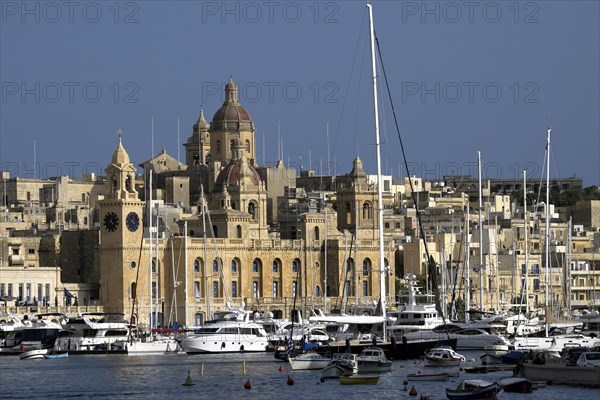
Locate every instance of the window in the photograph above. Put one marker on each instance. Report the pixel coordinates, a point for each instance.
(196, 265)
(2, 289)
(317, 291)
(347, 288)
(295, 265)
(234, 266)
(197, 290)
(536, 284)
(234, 292)
(198, 319)
(154, 265)
(367, 211)
(255, 292)
(386, 225)
(275, 289)
(216, 265)
(252, 210)
(28, 293)
(238, 231)
(9, 290)
(256, 266)
(132, 290)
(207, 158)
(218, 147)
(276, 263)
(316, 236)
(247, 147)
(31, 251)
(523, 269)
(215, 289)
(366, 266)
(294, 287)
(20, 291)
(40, 292)
(535, 269)
(365, 288)
(153, 290)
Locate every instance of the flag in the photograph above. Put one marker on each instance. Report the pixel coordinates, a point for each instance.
(68, 294)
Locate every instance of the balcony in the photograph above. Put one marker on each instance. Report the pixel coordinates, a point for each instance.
(16, 259)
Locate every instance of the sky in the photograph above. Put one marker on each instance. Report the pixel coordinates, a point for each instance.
(463, 76)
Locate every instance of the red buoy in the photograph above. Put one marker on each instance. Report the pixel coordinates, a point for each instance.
(247, 385)
(413, 391)
(290, 381)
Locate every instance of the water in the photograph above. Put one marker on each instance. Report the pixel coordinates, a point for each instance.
(161, 377)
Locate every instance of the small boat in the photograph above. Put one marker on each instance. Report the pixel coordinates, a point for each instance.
(53, 356)
(516, 385)
(373, 359)
(473, 389)
(513, 357)
(427, 377)
(308, 361)
(341, 364)
(492, 354)
(443, 356)
(359, 380)
(33, 354)
(476, 369)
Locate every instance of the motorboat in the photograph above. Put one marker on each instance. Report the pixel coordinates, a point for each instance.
(473, 389)
(93, 331)
(373, 359)
(36, 354)
(41, 332)
(56, 355)
(492, 354)
(308, 361)
(232, 331)
(341, 364)
(359, 380)
(443, 357)
(11, 331)
(516, 385)
(466, 338)
(422, 376)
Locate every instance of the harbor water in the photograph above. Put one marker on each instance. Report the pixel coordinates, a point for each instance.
(222, 377)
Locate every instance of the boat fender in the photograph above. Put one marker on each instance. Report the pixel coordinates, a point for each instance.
(223, 345)
(413, 391)
(242, 348)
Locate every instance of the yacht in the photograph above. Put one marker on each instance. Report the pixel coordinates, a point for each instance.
(41, 332)
(341, 364)
(373, 359)
(93, 331)
(232, 331)
(443, 357)
(11, 330)
(466, 338)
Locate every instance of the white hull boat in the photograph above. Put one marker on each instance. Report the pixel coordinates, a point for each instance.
(308, 361)
(33, 354)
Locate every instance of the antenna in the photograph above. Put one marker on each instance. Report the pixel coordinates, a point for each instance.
(177, 140)
(327, 129)
(34, 156)
(278, 139)
(152, 133)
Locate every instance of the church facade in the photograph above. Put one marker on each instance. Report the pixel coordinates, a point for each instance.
(164, 263)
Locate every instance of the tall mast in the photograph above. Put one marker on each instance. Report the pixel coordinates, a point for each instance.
(151, 249)
(569, 260)
(382, 267)
(185, 295)
(325, 261)
(206, 285)
(468, 265)
(547, 223)
(481, 263)
(526, 226)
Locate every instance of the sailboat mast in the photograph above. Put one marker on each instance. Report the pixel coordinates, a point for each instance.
(382, 267)
(206, 285)
(151, 249)
(481, 263)
(468, 264)
(526, 226)
(569, 260)
(547, 223)
(185, 295)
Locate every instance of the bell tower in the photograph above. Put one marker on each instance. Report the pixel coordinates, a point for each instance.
(121, 233)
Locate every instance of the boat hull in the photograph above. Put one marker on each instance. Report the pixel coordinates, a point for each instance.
(300, 364)
(483, 393)
(359, 380)
(393, 351)
(203, 344)
(558, 373)
(33, 354)
(155, 347)
(427, 377)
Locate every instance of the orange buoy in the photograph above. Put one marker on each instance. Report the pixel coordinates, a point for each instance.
(413, 391)
(281, 369)
(247, 385)
(290, 381)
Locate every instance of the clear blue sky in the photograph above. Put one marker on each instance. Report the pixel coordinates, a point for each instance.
(464, 76)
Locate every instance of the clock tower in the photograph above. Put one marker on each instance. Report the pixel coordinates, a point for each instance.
(121, 234)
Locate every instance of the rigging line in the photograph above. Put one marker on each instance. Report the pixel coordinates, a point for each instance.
(542, 175)
(337, 132)
(430, 261)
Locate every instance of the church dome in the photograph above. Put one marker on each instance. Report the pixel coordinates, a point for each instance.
(231, 115)
(238, 173)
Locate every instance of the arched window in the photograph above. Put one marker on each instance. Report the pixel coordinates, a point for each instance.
(235, 266)
(215, 231)
(128, 183)
(133, 289)
(366, 266)
(196, 158)
(238, 231)
(207, 158)
(276, 265)
(252, 210)
(348, 211)
(198, 263)
(256, 266)
(317, 291)
(365, 288)
(247, 146)
(316, 234)
(218, 147)
(367, 211)
(295, 265)
(114, 183)
(216, 263)
(198, 319)
(154, 265)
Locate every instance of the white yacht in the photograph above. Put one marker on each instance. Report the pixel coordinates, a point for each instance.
(11, 331)
(232, 331)
(41, 331)
(93, 331)
(466, 338)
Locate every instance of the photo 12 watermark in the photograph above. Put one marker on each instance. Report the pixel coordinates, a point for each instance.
(454, 12)
(69, 92)
(30, 170)
(54, 12)
(470, 92)
(253, 12)
(327, 92)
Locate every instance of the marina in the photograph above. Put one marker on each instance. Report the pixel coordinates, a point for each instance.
(118, 376)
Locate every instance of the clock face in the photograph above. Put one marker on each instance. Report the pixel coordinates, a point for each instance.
(132, 221)
(111, 221)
